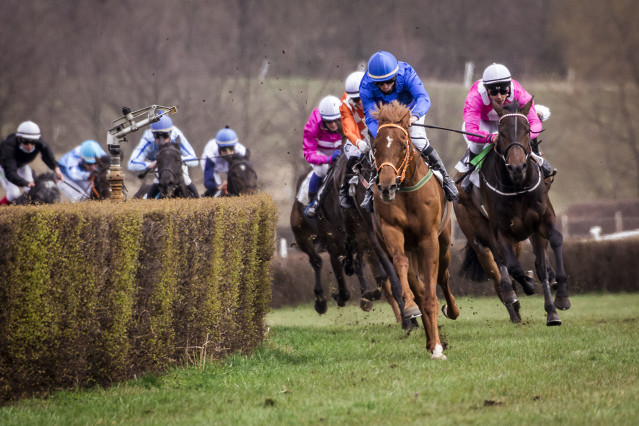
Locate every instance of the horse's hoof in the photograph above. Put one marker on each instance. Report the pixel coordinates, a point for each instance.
(412, 312)
(373, 294)
(562, 303)
(414, 322)
(529, 286)
(448, 314)
(365, 304)
(341, 301)
(445, 310)
(321, 306)
(438, 353)
(407, 325)
(553, 319)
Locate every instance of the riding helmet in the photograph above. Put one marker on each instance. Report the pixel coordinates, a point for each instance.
(28, 130)
(90, 150)
(329, 108)
(226, 137)
(164, 124)
(352, 84)
(382, 66)
(496, 73)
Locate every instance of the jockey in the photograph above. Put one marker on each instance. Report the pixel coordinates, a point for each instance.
(388, 79)
(214, 158)
(144, 155)
(354, 125)
(322, 145)
(480, 117)
(76, 166)
(16, 152)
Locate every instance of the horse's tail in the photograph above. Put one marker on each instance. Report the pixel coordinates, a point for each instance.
(471, 268)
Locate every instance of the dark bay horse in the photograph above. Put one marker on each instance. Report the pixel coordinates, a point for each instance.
(45, 191)
(99, 178)
(241, 177)
(170, 174)
(413, 223)
(340, 233)
(510, 206)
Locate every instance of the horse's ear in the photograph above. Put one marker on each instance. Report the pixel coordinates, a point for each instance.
(178, 141)
(499, 110)
(526, 108)
(248, 154)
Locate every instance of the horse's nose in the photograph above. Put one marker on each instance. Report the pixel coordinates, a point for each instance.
(517, 172)
(387, 192)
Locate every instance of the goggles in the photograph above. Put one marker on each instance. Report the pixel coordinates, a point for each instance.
(381, 83)
(161, 135)
(501, 89)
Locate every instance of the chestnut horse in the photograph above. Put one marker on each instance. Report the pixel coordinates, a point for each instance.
(510, 206)
(412, 223)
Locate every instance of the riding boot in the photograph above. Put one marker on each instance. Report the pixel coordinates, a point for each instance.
(467, 184)
(311, 209)
(367, 204)
(435, 163)
(545, 166)
(345, 200)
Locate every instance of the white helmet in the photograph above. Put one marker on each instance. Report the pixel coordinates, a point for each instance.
(352, 84)
(329, 108)
(496, 73)
(28, 130)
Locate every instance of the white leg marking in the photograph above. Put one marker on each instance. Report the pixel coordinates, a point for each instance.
(438, 353)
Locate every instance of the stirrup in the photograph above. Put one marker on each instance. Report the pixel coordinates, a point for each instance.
(311, 209)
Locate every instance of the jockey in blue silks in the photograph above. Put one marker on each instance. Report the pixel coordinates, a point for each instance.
(76, 166)
(214, 159)
(144, 155)
(387, 80)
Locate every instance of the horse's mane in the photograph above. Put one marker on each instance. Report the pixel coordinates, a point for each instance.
(393, 112)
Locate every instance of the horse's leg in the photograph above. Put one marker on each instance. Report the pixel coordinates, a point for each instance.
(394, 239)
(365, 304)
(342, 296)
(426, 262)
(378, 272)
(556, 239)
(539, 246)
(388, 295)
(517, 272)
(450, 309)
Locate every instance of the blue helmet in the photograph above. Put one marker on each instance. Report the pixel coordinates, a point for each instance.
(226, 137)
(382, 66)
(90, 150)
(164, 124)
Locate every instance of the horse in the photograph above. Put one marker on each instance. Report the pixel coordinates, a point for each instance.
(99, 178)
(412, 223)
(45, 191)
(241, 177)
(170, 175)
(341, 234)
(512, 205)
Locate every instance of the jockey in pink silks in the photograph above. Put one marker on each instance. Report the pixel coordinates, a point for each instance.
(480, 118)
(322, 145)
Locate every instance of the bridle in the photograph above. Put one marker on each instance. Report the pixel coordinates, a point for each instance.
(504, 155)
(400, 172)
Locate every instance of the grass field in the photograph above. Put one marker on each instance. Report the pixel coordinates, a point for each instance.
(356, 368)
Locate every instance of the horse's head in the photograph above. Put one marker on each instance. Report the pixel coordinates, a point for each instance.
(513, 143)
(169, 167)
(392, 148)
(46, 190)
(241, 176)
(100, 186)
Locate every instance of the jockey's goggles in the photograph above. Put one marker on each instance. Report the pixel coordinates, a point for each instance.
(501, 89)
(161, 135)
(24, 141)
(381, 83)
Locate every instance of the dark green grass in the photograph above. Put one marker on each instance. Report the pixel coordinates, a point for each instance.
(351, 367)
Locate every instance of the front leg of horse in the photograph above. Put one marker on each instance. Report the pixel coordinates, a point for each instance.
(562, 299)
(365, 303)
(320, 301)
(411, 310)
(426, 296)
(342, 296)
(539, 246)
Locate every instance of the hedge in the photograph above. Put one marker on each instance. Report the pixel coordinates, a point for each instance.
(97, 292)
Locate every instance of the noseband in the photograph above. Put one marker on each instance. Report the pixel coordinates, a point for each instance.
(400, 171)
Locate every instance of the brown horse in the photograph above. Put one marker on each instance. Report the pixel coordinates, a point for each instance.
(512, 205)
(413, 223)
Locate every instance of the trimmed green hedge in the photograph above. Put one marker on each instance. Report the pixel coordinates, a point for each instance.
(96, 292)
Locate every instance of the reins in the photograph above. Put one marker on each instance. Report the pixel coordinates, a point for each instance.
(402, 167)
